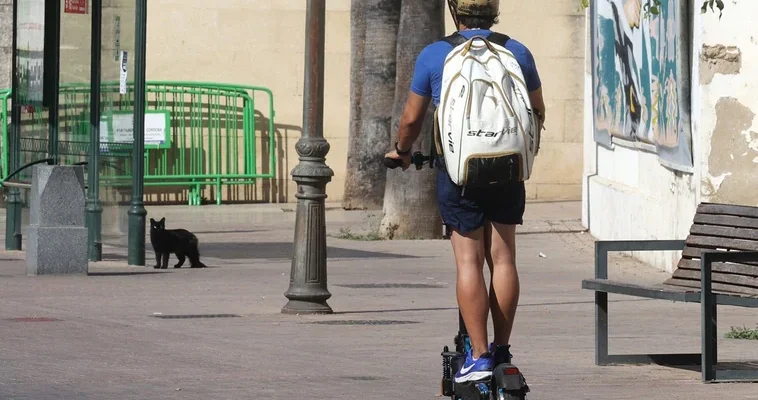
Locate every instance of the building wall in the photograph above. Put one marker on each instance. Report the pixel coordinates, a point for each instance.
(554, 31)
(262, 43)
(627, 194)
(258, 43)
(728, 59)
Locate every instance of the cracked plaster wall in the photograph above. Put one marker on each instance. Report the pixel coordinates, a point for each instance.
(729, 127)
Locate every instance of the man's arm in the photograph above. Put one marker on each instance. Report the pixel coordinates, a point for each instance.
(410, 127)
(538, 104)
(412, 120)
(533, 82)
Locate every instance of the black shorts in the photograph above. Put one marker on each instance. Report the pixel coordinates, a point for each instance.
(468, 211)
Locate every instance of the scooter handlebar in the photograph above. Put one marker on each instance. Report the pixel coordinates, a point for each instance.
(418, 159)
(392, 163)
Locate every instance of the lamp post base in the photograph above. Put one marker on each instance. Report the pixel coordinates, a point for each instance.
(308, 291)
(298, 307)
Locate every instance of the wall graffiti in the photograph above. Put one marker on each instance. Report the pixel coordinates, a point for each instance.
(640, 73)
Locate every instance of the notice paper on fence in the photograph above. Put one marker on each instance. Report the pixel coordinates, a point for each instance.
(124, 72)
(157, 130)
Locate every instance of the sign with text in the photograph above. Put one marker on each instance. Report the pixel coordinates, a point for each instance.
(120, 129)
(75, 7)
(117, 36)
(123, 75)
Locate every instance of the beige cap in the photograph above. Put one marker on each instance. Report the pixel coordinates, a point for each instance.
(476, 8)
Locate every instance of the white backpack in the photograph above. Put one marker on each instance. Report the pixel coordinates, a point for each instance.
(485, 130)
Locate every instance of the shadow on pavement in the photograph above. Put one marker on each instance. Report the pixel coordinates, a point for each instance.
(397, 310)
(750, 366)
(263, 251)
(126, 273)
(281, 251)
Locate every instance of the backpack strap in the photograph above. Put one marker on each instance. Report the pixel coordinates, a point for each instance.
(456, 39)
(498, 38)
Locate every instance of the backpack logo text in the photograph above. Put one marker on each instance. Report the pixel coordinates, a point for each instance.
(489, 134)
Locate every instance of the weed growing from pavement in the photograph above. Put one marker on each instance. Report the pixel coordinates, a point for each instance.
(742, 333)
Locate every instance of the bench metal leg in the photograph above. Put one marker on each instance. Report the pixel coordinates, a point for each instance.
(709, 322)
(601, 328)
(602, 356)
(601, 307)
(708, 309)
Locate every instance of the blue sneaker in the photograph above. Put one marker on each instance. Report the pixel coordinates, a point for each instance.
(474, 370)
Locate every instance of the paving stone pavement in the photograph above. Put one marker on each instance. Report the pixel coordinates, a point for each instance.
(101, 337)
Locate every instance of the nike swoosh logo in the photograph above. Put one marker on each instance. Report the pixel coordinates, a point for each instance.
(465, 370)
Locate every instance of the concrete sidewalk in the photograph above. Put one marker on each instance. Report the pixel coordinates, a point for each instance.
(100, 337)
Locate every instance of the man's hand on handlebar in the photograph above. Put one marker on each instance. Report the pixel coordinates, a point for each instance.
(405, 159)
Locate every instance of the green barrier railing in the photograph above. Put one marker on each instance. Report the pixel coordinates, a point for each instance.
(210, 138)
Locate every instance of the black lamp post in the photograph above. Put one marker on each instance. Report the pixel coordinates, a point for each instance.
(137, 213)
(307, 292)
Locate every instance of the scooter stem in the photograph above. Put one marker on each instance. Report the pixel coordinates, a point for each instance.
(461, 324)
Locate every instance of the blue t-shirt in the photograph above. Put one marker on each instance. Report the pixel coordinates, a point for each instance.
(427, 77)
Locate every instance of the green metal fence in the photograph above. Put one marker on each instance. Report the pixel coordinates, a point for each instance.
(211, 139)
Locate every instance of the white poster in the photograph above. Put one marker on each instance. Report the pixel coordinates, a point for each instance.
(124, 72)
(123, 128)
(156, 129)
(104, 135)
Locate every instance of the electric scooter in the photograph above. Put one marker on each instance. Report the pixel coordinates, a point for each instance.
(507, 381)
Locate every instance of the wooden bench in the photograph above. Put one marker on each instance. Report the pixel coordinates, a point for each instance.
(718, 266)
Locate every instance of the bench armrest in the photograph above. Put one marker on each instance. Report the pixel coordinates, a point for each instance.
(603, 247)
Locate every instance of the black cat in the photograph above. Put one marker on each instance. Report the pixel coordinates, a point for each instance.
(178, 241)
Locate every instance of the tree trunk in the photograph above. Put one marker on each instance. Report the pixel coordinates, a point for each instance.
(410, 199)
(374, 26)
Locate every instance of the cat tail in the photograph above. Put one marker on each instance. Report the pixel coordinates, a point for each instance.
(195, 254)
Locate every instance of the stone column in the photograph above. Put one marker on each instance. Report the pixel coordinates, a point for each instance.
(57, 235)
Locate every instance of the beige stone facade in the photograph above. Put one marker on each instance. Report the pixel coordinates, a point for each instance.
(262, 43)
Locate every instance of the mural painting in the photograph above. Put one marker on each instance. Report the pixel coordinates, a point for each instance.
(640, 74)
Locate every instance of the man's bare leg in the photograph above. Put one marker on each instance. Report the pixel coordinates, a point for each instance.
(500, 252)
(471, 288)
